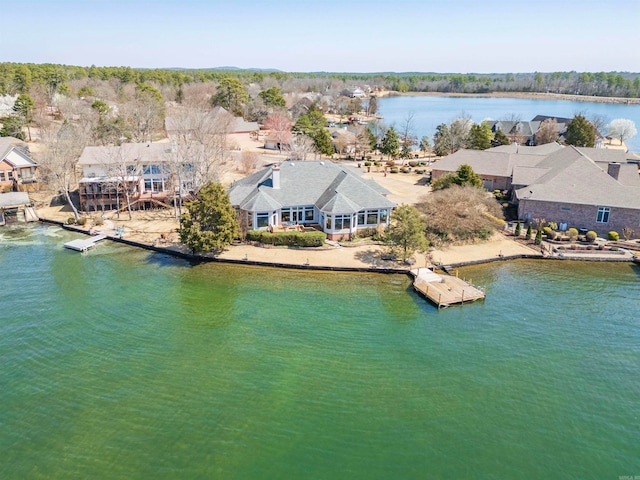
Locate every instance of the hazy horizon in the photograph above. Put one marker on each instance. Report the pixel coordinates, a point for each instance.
(333, 36)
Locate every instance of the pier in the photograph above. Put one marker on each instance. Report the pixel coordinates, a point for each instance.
(82, 244)
(444, 290)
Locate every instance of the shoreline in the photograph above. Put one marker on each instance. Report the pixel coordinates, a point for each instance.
(522, 95)
(385, 269)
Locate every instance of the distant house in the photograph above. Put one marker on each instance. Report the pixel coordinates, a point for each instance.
(148, 172)
(16, 165)
(342, 140)
(582, 188)
(354, 92)
(217, 120)
(332, 197)
(523, 132)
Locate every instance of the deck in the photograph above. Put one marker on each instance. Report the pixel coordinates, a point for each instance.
(444, 290)
(83, 244)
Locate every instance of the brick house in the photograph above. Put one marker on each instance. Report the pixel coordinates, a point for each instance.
(582, 188)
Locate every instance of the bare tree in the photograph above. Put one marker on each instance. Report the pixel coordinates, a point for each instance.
(122, 174)
(407, 136)
(279, 126)
(249, 161)
(301, 147)
(62, 146)
(460, 129)
(622, 129)
(548, 132)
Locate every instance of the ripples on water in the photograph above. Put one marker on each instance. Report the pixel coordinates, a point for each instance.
(119, 363)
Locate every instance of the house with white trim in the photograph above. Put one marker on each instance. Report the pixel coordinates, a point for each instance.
(332, 197)
(16, 165)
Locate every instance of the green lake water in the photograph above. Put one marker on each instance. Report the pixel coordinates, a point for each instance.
(125, 364)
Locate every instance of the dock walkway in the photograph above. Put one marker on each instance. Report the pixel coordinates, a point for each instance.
(82, 244)
(444, 290)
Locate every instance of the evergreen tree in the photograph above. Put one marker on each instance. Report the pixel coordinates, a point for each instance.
(480, 136)
(23, 107)
(529, 232)
(442, 140)
(500, 138)
(464, 176)
(390, 143)
(406, 231)
(210, 223)
(425, 145)
(231, 95)
(580, 132)
(272, 97)
(518, 229)
(538, 239)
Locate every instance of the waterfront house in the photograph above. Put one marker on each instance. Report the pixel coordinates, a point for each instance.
(16, 165)
(585, 188)
(331, 197)
(148, 173)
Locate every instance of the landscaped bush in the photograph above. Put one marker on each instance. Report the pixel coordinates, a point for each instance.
(591, 236)
(394, 170)
(613, 236)
(367, 164)
(414, 164)
(552, 225)
(71, 221)
(549, 233)
(405, 170)
(377, 164)
(98, 221)
(82, 221)
(518, 229)
(573, 234)
(291, 239)
(367, 232)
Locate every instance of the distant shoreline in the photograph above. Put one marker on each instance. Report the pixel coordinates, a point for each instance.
(526, 95)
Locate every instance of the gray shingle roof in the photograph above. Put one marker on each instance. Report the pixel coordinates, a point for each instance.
(573, 177)
(328, 186)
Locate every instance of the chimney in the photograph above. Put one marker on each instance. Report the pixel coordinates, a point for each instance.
(614, 170)
(275, 177)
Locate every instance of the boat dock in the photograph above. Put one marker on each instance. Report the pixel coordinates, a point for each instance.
(82, 244)
(444, 290)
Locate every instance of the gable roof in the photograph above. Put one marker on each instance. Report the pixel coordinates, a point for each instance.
(15, 152)
(329, 187)
(127, 152)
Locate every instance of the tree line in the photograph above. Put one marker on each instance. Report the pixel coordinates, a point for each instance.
(16, 78)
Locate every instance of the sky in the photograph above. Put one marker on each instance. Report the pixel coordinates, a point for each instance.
(441, 36)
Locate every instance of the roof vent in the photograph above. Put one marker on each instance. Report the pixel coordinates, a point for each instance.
(321, 163)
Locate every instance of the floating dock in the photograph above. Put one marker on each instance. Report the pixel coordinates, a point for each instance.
(84, 244)
(444, 290)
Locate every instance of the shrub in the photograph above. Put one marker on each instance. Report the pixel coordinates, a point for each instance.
(71, 221)
(391, 163)
(529, 232)
(552, 225)
(394, 170)
(82, 221)
(98, 221)
(591, 236)
(367, 164)
(613, 236)
(573, 234)
(627, 233)
(291, 239)
(538, 240)
(413, 164)
(377, 164)
(405, 170)
(518, 229)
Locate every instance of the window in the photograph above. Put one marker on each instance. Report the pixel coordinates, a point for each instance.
(383, 216)
(372, 217)
(285, 215)
(341, 222)
(2, 176)
(360, 218)
(262, 219)
(565, 209)
(603, 215)
(152, 169)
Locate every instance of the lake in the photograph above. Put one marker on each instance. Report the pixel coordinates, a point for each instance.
(126, 364)
(431, 111)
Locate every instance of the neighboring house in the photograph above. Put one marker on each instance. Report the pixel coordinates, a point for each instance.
(342, 140)
(354, 92)
(495, 165)
(584, 188)
(16, 165)
(334, 198)
(218, 121)
(523, 132)
(148, 172)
